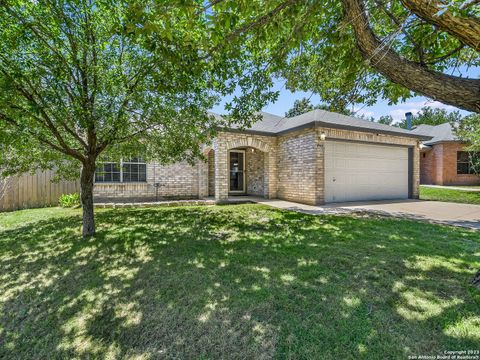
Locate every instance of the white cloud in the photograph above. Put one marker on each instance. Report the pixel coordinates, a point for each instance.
(398, 113)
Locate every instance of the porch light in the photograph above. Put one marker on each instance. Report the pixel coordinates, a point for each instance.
(252, 150)
(323, 136)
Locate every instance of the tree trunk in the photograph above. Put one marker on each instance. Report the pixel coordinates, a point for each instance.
(86, 186)
(465, 29)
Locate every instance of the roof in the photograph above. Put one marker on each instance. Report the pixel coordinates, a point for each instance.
(439, 133)
(275, 125)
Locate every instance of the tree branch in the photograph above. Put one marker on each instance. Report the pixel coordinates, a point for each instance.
(453, 90)
(417, 46)
(446, 56)
(47, 122)
(42, 139)
(465, 29)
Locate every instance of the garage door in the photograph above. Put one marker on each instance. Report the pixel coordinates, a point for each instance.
(355, 171)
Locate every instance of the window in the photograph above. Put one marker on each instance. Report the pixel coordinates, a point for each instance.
(134, 170)
(107, 172)
(131, 170)
(466, 161)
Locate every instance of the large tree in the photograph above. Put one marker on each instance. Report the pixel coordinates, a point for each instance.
(90, 78)
(356, 51)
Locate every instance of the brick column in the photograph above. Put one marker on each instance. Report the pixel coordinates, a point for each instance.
(202, 179)
(270, 174)
(221, 170)
(319, 168)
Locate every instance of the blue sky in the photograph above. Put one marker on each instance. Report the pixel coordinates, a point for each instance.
(287, 98)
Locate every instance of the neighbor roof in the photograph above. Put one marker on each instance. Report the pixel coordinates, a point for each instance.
(439, 133)
(273, 124)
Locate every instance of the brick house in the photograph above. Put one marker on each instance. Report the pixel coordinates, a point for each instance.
(443, 159)
(314, 158)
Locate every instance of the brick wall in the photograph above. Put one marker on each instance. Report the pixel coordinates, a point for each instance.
(177, 181)
(211, 173)
(439, 166)
(226, 141)
(297, 171)
(254, 171)
(428, 161)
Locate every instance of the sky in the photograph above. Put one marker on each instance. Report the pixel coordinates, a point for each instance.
(286, 99)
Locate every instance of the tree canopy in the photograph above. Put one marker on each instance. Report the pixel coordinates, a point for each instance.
(84, 79)
(357, 51)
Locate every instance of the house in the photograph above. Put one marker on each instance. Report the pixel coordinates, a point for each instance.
(314, 158)
(443, 159)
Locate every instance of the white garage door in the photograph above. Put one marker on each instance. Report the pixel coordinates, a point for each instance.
(355, 171)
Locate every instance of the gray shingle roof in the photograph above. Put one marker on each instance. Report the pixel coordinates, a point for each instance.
(439, 133)
(273, 124)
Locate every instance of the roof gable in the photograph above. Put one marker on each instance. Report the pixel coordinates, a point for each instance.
(439, 133)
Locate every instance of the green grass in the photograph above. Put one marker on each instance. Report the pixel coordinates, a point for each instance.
(449, 195)
(237, 282)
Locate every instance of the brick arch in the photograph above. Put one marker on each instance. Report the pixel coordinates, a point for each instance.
(248, 142)
(207, 149)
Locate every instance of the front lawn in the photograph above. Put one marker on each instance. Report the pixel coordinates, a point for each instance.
(449, 195)
(237, 282)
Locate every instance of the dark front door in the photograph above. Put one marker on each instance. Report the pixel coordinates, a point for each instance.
(236, 162)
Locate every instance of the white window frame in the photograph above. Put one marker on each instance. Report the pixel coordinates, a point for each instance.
(121, 163)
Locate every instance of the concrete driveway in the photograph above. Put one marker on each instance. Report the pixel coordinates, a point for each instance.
(464, 215)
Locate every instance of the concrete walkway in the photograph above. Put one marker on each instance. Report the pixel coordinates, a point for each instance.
(464, 215)
(473, 188)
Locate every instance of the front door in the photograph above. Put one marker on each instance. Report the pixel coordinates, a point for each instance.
(236, 162)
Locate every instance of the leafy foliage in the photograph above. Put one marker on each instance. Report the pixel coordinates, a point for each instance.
(313, 45)
(83, 78)
(300, 107)
(69, 200)
(386, 120)
(433, 116)
(304, 105)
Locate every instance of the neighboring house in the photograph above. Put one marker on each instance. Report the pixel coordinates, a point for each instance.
(443, 160)
(314, 158)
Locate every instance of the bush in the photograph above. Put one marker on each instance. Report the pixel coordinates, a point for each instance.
(69, 200)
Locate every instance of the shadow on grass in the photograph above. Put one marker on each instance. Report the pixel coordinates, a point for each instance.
(242, 281)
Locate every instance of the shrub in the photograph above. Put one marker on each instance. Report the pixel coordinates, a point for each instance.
(69, 200)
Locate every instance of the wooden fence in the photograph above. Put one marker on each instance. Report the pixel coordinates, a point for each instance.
(37, 190)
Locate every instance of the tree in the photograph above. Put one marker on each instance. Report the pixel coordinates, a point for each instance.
(300, 107)
(304, 105)
(386, 120)
(355, 51)
(81, 80)
(432, 116)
